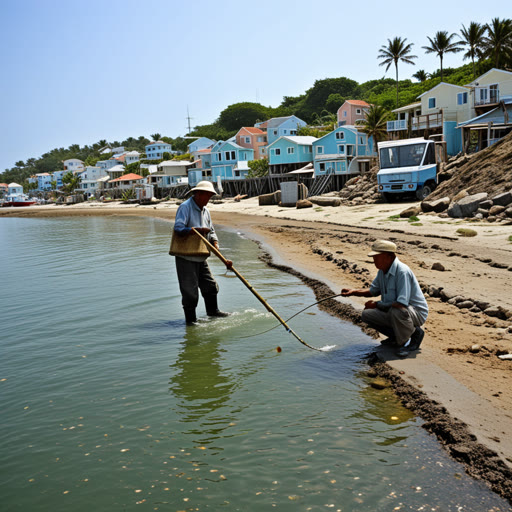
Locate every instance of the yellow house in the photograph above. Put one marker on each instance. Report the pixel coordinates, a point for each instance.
(447, 102)
(491, 88)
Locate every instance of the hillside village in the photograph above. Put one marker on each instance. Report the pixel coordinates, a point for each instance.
(475, 115)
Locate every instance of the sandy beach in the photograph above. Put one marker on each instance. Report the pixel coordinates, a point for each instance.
(457, 382)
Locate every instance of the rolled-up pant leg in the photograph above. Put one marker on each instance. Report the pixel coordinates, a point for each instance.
(192, 277)
(399, 323)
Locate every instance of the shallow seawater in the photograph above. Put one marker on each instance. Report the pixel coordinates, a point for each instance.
(110, 402)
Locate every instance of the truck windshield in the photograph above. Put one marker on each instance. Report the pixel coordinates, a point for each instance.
(402, 156)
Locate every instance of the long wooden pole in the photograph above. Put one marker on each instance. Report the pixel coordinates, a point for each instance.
(269, 308)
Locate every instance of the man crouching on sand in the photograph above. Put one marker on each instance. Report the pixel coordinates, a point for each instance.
(402, 309)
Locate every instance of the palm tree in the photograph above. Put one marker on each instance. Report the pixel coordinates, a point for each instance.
(441, 44)
(156, 136)
(473, 38)
(396, 50)
(375, 123)
(420, 75)
(498, 42)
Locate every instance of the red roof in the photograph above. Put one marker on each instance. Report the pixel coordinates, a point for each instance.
(251, 129)
(128, 177)
(207, 150)
(361, 103)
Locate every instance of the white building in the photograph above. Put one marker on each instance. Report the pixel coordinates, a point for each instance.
(74, 165)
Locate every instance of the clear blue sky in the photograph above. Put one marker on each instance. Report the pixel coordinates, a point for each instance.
(78, 71)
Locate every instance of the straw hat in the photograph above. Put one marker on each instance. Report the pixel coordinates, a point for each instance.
(205, 186)
(381, 246)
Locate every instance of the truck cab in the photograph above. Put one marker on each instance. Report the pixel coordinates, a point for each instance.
(407, 167)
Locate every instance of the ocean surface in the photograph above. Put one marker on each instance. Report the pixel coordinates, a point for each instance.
(109, 402)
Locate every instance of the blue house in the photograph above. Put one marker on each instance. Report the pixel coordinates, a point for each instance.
(289, 153)
(203, 167)
(229, 161)
(199, 144)
(156, 150)
(343, 151)
(281, 127)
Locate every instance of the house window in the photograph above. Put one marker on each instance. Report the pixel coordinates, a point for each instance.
(291, 151)
(321, 167)
(350, 150)
(247, 140)
(361, 140)
(344, 113)
(277, 151)
(275, 132)
(341, 149)
(260, 139)
(319, 150)
(284, 131)
(431, 103)
(462, 98)
(293, 132)
(340, 135)
(233, 155)
(358, 111)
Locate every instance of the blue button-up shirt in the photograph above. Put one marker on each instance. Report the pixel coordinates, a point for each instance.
(399, 284)
(188, 216)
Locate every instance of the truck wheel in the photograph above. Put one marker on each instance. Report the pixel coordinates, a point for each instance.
(423, 192)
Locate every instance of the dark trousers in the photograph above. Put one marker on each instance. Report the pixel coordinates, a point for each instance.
(397, 323)
(192, 277)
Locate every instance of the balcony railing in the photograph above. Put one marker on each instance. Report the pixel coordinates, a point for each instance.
(486, 96)
(423, 122)
(395, 126)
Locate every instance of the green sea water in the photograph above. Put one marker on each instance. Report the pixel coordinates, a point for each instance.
(109, 402)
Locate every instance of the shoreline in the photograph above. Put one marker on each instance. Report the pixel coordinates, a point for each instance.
(461, 393)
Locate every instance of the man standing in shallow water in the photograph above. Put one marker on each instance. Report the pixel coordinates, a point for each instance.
(402, 309)
(193, 271)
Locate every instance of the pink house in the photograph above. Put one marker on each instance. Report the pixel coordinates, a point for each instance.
(253, 138)
(351, 111)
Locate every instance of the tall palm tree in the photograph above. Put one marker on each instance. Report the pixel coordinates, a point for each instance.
(156, 136)
(396, 50)
(441, 44)
(420, 75)
(498, 42)
(375, 123)
(473, 39)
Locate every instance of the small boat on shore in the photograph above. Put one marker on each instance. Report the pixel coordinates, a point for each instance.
(16, 197)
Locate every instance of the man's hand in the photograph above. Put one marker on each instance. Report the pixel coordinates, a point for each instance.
(371, 304)
(346, 292)
(203, 231)
(229, 264)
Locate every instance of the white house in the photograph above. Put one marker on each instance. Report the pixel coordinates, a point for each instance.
(73, 164)
(170, 173)
(89, 180)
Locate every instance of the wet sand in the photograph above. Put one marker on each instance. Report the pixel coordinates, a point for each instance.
(457, 383)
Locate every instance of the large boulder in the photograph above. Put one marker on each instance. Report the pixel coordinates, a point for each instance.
(503, 199)
(437, 206)
(270, 199)
(412, 211)
(303, 203)
(496, 209)
(325, 201)
(466, 206)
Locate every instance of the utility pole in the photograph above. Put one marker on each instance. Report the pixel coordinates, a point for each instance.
(188, 119)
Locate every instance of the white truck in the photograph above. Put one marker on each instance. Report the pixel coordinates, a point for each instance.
(407, 167)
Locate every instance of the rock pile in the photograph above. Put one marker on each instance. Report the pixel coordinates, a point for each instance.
(475, 306)
(361, 189)
(478, 205)
(478, 186)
